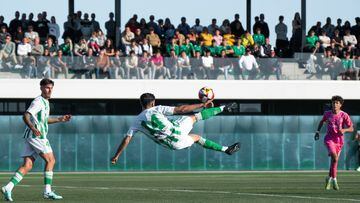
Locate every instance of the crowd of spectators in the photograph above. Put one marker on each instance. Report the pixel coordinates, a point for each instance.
(158, 49)
(335, 50)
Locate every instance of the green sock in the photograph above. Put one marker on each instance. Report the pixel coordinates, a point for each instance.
(17, 178)
(48, 177)
(211, 145)
(208, 113)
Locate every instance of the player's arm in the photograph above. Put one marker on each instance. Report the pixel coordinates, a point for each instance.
(348, 123)
(122, 146)
(27, 121)
(347, 130)
(64, 118)
(190, 107)
(317, 133)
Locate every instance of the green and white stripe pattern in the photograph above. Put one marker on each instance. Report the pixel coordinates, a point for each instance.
(48, 177)
(39, 109)
(17, 178)
(162, 129)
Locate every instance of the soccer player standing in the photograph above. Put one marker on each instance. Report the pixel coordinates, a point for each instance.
(153, 121)
(37, 119)
(338, 123)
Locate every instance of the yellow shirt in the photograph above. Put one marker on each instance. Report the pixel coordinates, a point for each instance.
(230, 39)
(247, 40)
(207, 39)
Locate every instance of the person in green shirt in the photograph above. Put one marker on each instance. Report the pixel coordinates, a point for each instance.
(259, 38)
(173, 46)
(238, 49)
(188, 47)
(67, 47)
(348, 72)
(198, 48)
(311, 40)
(212, 48)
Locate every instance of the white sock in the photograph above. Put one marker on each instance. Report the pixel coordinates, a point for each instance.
(47, 188)
(224, 149)
(48, 180)
(9, 186)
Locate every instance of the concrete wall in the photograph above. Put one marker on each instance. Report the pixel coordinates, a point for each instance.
(182, 89)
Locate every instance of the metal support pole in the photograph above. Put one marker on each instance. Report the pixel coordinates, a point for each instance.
(303, 23)
(71, 7)
(248, 15)
(117, 21)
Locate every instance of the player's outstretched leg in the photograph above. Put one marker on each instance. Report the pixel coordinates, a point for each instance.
(209, 144)
(210, 112)
(16, 179)
(7, 189)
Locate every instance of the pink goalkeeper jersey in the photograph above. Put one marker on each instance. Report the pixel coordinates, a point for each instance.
(335, 122)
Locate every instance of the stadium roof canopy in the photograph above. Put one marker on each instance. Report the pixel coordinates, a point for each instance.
(117, 12)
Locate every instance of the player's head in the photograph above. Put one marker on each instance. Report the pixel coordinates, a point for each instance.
(147, 100)
(337, 102)
(46, 87)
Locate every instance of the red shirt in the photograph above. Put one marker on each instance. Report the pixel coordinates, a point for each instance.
(157, 60)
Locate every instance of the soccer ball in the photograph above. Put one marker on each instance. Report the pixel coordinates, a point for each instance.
(205, 94)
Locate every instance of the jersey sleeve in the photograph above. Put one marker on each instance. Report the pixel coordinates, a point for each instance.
(347, 120)
(132, 130)
(325, 117)
(166, 110)
(34, 107)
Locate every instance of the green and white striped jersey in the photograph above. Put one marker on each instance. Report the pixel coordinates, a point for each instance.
(39, 110)
(154, 123)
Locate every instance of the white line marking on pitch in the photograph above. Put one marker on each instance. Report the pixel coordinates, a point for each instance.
(200, 191)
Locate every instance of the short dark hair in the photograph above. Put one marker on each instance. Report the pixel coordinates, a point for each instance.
(337, 98)
(46, 81)
(146, 99)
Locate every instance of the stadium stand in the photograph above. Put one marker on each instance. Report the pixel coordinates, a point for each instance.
(159, 49)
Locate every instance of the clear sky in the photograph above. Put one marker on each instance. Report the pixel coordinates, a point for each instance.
(317, 10)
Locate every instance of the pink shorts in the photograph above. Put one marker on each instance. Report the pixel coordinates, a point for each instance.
(333, 147)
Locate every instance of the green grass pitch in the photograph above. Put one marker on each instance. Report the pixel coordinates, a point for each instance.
(191, 187)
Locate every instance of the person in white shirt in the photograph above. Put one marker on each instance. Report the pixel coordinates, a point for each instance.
(131, 65)
(133, 47)
(248, 65)
(208, 64)
(31, 34)
(145, 46)
(325, 41)
(350, 40)
(127, 37)
(184, 68)
(23, 50)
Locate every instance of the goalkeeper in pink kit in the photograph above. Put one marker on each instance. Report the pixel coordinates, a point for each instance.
(338, 123)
